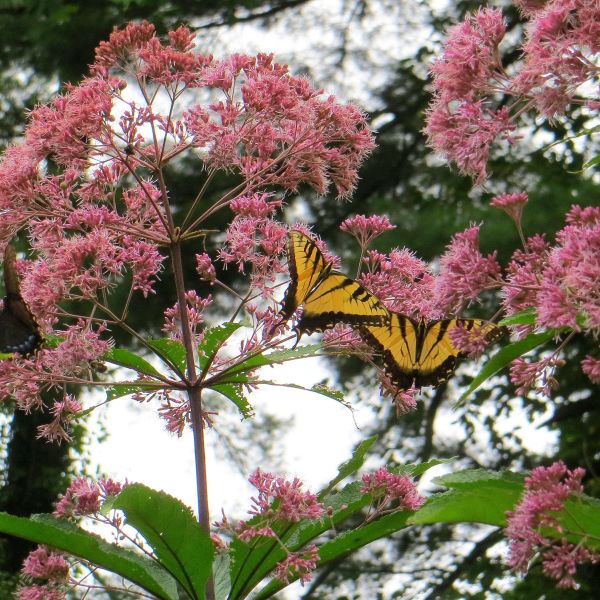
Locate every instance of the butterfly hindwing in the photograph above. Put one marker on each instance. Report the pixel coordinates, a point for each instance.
(421, 353)
(328, 297)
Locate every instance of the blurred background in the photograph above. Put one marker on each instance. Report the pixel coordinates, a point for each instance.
(374, 53)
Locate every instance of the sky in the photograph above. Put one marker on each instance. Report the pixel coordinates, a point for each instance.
(139, 448)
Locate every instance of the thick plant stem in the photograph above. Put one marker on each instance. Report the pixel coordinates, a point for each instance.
(195, 398)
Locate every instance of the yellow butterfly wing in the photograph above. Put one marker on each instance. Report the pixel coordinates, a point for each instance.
(339, 299)
(307, 267)
(328, 297)
(421, 353)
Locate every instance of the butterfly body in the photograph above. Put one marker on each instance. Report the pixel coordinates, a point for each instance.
(328, 297)
(421, 353)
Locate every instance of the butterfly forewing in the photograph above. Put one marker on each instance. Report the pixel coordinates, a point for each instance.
(307, 267)
(327, 297)
(339, 299)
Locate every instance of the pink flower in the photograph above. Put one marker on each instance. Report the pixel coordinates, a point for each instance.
(205, 267)
(41, 592)
(591, 367)
(291, 503)
(42, 563)
(529, 7)
(82, 497)
(404, 400)
(470, 58)
(109, 487)
(511, 204)
(570, 281)
(298, 565)
(62, 412)
(402, 282)
(344, 338)
(536, 376)
(546, 491)
(257, 206)
(464, 132)
(257, 244)
(387, 487)
(366, 229)
(465, 272)
(195, 308)
(523, 276)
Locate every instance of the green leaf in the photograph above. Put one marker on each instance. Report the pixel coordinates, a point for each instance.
(214, 338)
(476, 496)
(417, 469)
(591, 163)
(172, 352)
(233, 392)
(582, 517)
(318, 388)
(347, 542)
(64, 535)
(350, 466)
(505, 356)
(525, 317)
(272, 358)
(182, 547)
(221, 576)
(118, 390)
(130, 360)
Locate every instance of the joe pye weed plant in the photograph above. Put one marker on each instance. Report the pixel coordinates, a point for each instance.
(89, 189)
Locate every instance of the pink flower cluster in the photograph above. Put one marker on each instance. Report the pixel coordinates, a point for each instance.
(472, 90)
(101, 218)
(530, 525)
(298, 565)
(388, 487)
(280, 500)
(465, 272)
(561, 283)
(255, 238)
(291, 503)
(84, 497)
(366, 229)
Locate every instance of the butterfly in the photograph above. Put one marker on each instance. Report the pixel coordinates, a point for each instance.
(421, 353)
(328, 297)
(19, 331)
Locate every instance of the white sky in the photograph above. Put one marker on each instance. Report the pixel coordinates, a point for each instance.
(140, 449)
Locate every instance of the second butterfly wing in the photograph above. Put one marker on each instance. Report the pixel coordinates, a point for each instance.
(19, 331)
(421, 353)
(328, 297)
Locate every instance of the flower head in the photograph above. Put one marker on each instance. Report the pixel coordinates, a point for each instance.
(546, 491)
(511, 204)
(388, 487)
(42, 563)
(464, 271)
(366, 229)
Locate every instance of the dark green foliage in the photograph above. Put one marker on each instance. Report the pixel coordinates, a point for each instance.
(35, 474)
